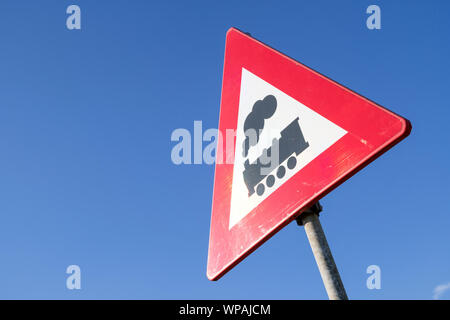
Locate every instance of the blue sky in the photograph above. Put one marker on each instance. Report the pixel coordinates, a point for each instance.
(86, 175)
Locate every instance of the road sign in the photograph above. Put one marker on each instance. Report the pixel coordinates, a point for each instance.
(298, 136)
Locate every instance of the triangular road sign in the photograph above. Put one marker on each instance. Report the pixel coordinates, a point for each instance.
(298, 136)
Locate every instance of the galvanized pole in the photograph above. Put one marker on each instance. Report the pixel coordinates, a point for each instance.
(324, 259)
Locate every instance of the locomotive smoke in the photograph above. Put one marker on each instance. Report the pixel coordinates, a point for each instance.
(254, 123)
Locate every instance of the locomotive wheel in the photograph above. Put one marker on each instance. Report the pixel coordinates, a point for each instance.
(270, 181)
(260, 189)
(281, 172)
(292, 162)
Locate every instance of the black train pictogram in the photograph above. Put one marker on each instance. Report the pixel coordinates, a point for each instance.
(291, 142)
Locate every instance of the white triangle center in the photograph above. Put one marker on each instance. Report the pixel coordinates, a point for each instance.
(318, 135)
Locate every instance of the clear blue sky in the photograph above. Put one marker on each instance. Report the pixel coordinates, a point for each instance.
(86, 176)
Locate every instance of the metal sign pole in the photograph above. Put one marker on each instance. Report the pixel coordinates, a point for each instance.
(324, 259)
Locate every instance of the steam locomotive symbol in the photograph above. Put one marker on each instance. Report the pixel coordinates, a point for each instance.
(290, 145)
